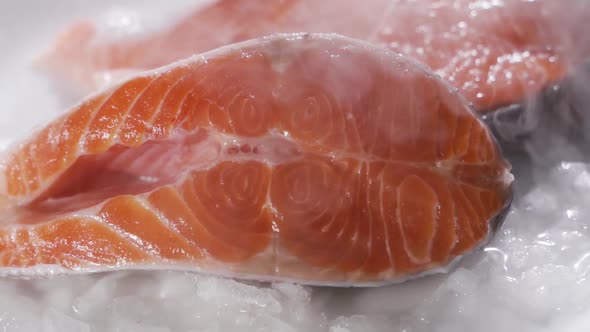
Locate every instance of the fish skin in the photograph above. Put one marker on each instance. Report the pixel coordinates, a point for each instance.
(312, 158)
(495, 53)
(540, 127)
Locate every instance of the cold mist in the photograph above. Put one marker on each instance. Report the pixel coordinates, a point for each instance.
(532, 276)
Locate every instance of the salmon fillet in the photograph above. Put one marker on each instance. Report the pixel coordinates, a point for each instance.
(305, 157)
(495, 52)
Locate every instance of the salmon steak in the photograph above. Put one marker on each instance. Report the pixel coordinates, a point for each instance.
(496, 52)
(312, 158)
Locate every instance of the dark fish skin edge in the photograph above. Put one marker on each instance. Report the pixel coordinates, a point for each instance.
(550, 127)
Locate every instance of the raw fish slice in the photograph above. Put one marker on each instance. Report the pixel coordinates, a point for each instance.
(496, 53)
(312, 158)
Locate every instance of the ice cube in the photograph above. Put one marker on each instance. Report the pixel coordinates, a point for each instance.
(56, 321)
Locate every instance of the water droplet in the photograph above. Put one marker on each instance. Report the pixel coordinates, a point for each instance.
(572, 214)
(387, 31)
